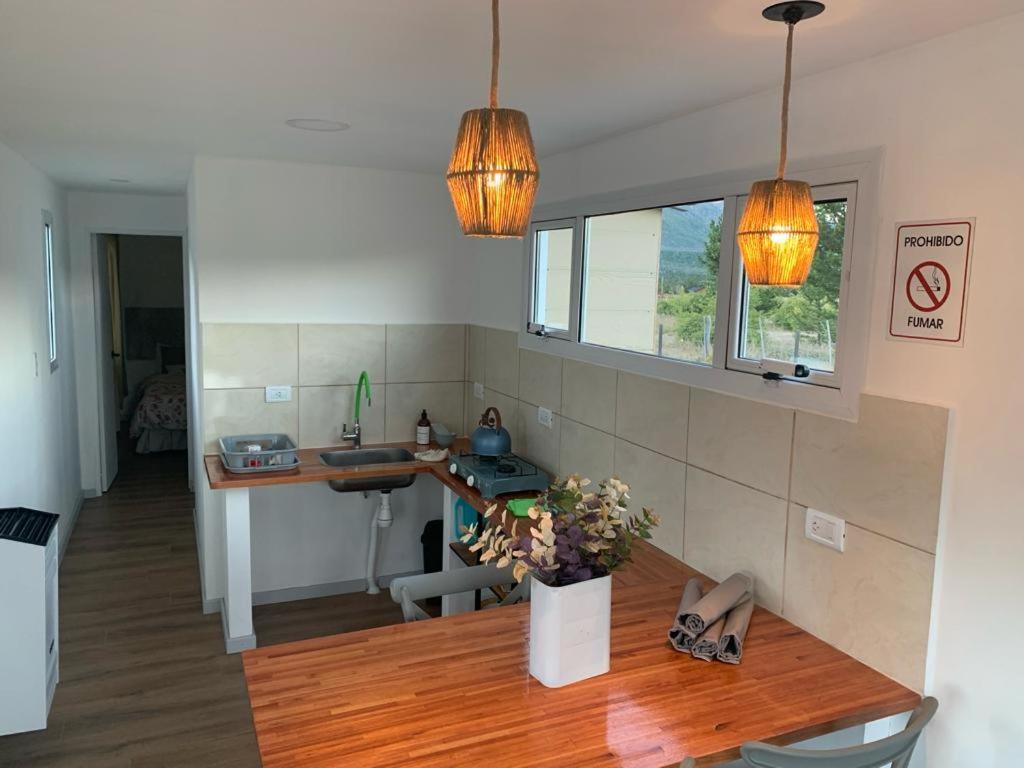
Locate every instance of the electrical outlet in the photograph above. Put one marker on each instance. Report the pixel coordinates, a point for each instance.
(478, 390)
(825, 529)
(282, 394)
(544, 417)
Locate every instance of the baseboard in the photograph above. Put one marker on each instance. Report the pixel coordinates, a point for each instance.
(91, 493)
(234, 644)
(289, 594)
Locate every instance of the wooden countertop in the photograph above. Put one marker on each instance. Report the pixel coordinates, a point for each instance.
(457, 691)
(312, 470)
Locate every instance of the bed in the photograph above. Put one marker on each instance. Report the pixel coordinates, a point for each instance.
(159, 419)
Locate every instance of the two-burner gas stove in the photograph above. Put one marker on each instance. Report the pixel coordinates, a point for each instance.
(495, 475)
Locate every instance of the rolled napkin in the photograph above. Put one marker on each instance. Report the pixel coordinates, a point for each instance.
(730, 646)
(716, 603)
(706, 646)
(681, 641)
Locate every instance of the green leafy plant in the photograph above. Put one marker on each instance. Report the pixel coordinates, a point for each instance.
(572, 535)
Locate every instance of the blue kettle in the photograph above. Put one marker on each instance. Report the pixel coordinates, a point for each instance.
(490, 438)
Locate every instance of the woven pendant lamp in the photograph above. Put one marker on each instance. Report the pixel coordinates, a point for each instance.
(492, 175)
(778, 231)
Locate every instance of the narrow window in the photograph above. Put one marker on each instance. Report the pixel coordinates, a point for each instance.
(551, 300)
(51, 297)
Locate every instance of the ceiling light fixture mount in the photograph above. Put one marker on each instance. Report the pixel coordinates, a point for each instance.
(792, 12)
(317, 124)
(778, 232)
(492, 175)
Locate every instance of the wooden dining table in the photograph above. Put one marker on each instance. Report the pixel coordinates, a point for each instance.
(456, 691)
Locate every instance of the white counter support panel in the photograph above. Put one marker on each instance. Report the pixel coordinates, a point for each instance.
(237, 611)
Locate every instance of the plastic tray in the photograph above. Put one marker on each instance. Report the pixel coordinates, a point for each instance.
(276, 451)
(258, 470)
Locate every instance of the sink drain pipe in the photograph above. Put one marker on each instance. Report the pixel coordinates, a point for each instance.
(382, 518)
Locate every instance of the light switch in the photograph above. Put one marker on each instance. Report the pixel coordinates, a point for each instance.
(825, 529)
(282, 394)
(544, 417)
(478, 390)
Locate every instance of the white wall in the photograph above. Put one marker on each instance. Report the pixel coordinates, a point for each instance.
(950, 131)
(38, 417)
(287, 242)
(299, 243)
(90, 213)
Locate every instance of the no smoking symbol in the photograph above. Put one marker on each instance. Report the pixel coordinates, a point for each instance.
(928, 286)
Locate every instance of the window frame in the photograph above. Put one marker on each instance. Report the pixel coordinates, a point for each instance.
(819, 193)
(50, 286)
(840, 398)
(575, 309)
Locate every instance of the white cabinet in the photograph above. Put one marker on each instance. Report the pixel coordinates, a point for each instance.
(29, 645)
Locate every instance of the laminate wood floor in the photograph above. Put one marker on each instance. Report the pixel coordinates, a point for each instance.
(145, 682)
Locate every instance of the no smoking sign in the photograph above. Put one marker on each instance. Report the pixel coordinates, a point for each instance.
(931, 274)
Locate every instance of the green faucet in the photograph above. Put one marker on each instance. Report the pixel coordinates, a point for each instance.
(356, 434)
(363, 383)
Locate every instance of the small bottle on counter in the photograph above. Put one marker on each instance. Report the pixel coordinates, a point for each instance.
(423, 429)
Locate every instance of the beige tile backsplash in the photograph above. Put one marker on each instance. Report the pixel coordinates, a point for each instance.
(410, 367)
(721, 471)
(588, 394)
(421, 353)
(730, 477)
(337, 354)
(883, 473)
(872, 601)
(743, 440)
(586, 451)
(501, 361)
(656, 482)
(540, 379)
(324, 411)
(653, 413)
(443, 402)
(475, 353)
(537, 442)
(244, 412)
(730, 527)
(251, 355)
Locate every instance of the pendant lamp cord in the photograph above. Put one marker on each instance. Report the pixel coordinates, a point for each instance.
(785, 98)
(495, 53)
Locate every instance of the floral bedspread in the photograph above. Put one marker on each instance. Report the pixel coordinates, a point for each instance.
(162, 405)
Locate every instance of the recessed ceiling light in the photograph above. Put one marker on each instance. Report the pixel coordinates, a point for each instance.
(316, 124)
(120, 181)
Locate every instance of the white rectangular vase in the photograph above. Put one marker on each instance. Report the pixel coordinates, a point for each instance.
(570, 630)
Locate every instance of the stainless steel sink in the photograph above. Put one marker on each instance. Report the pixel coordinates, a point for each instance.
(365, 456)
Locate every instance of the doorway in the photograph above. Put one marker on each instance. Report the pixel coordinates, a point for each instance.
(142, 347)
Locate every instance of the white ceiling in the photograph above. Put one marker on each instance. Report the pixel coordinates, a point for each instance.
(97, 89)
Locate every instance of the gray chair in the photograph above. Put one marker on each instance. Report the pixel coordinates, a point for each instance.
(407, 589)
(894, 749)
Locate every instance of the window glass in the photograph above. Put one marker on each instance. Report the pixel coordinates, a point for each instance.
(51, 308)
(651, 278)
(552, 278)
(800, 325)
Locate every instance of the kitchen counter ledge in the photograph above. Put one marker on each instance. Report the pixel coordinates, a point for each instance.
(312, 470)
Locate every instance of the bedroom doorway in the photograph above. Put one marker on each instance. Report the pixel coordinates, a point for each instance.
(142, 338)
